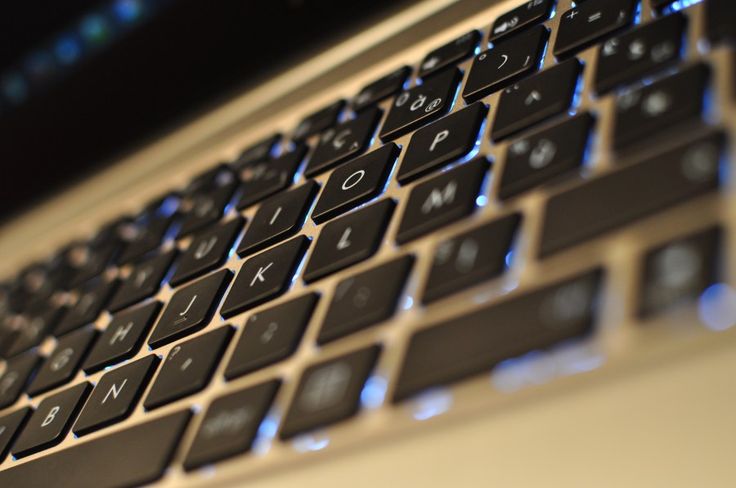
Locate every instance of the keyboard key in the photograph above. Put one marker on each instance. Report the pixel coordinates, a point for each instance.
(33, 330)
(365, 299)
(18, 372)
(535, 99)
(62, 365)
(271, 335)
(258, 152)
(389, 85)
(266, 178)
(230, 425)
(505, 62)
(348, 240)
(441, 142)
(355, 182)
(442, 200)
(51, 421)
(149, 229)
(478, 341)
(634, 192)
(661, 4)
(143, 281)
(329, 392)
(278, 217)
(191, 308)
(671, 101)
(451, 53)
(521, 17)
(470, 258)
(640, 52)
(123, 337)
(421, 104)
(265, 276)
(343, 142)
(545, 155)
(10, 426)
(90, 302)
(188, 367)
(319, 121)
(209, 250)
(720, 20)
(131, 457)
(587, 22)
(205, 203)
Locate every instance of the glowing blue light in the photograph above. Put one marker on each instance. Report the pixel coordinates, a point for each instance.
(266, 433)
(127, 11)
(169, 206)
(374, 392)
(67, 50)
(94, 29)
(310, 443)
(680, 5)
(509, 259)
(717, 307)
(408, 303)
(481, 201)
(431, 404)
(14, 87)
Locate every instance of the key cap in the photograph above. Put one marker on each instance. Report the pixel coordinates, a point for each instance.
(342, 142)
(329, 392)
(188, 367)
(634, 192)
(62, 365)
(208, 251)
(265, 276)
(266, 178)
(191, 308)
(587, 22)
(421, 104)
(389, 85)
(355, 182)
(149, 229)
(35, 329)
(271, 335)
(145, 448)
(319, 121)
(505, 62)
(205, 204)
(348, 240)
(144, 281)
(625, 59)
(115, 396)
(10, 426)
(720, 20)
(365, 299)
(520, 18)
(545, 156)
(441, 142)
(449, 54)
(18, 372)
(535, 99)
(475, 342)
(123, 337)
(671, 101)
(230, 425)
(258, 152)
(51, 421)
(442, 200)
(470, 258)
(278, 217)
(661, 4)
(90, 302)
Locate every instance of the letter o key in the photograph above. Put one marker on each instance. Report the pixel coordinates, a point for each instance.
(353, 179)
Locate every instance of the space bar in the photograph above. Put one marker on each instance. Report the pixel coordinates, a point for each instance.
(130, 457)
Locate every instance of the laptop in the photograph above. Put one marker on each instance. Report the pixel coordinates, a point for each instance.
(415, 243)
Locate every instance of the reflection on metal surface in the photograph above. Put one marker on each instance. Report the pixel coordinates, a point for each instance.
(310, 442)
(431, 404)
(374, 392)
(717, 307)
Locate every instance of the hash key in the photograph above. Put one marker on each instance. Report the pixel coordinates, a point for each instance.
(587, 22)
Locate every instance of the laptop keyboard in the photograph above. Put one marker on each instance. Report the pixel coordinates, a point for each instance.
(217, 282)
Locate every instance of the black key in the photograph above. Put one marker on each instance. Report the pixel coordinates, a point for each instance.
(355, 182)
(258, 152)
(191, 308)
(587, 22)
(62, 365)
(365, 299)
(545, 155)
(265, 276)
(640, 52)
(478, 341)
(265, 178)
(34, 329)
(451, 53)
(506, 62)
(51, 421)
(318, 121)
(442, 200)
(131, 457)
(123, 337)
(116, 395)
(143, 281)
(661, 4)
(10, 426)
(679, 271)
(421, 104)
(90, 302)
(389, 85)
(329, 392)
(207, 251)
(675, 100)
(441, 142)
(470, 258)
(520, 18)
(188, 367)
(230, 425)
(343, 142)
(348, 240)
(206, 205)
(720, 20)
(17, 373)
(278, 217)
(631, 193)
(535, 99)
(271, 335)
(150, 228)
